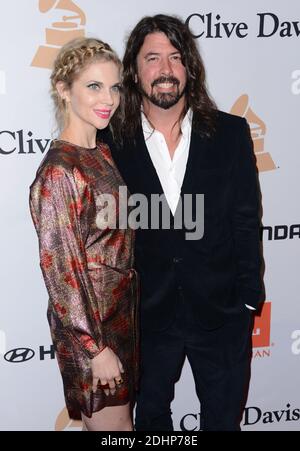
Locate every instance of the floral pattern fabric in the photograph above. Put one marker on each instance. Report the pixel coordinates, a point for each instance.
(87, 268)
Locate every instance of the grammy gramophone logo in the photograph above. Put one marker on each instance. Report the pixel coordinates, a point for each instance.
(70, 26)
(241, 108)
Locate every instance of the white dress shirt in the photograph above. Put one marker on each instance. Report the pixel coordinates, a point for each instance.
(170, 171)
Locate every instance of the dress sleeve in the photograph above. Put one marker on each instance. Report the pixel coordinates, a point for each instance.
(56, 206)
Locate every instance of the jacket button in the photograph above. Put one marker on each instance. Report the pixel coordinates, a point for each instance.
(177, 260)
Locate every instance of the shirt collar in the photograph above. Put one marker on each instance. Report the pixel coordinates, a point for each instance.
(186, 124)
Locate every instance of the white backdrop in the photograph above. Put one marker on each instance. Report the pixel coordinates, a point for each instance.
(251, 52)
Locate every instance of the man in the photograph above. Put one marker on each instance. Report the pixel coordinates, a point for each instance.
(196, 294)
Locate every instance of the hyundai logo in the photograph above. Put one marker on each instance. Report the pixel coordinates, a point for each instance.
(19, 355)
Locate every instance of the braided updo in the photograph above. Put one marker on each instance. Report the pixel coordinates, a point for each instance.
(72, 58)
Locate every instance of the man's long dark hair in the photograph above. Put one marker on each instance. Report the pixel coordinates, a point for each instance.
(197, 97)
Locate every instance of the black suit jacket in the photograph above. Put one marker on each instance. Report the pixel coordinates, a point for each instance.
(220, 273)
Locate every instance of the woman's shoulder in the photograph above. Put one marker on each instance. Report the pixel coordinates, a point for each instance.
(61, 157)
(57, 167)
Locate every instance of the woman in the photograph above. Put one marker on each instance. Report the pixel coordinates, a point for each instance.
(86, 262)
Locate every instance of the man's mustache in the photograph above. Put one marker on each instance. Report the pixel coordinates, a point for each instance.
(159, 80)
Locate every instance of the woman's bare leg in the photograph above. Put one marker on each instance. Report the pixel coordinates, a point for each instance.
(116, 418)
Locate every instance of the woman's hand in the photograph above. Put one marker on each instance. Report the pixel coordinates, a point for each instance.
(107, 369)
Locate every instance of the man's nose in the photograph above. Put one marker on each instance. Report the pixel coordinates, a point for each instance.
(166, 67)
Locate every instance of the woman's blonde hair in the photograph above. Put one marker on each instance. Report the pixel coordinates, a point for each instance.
(72, 58)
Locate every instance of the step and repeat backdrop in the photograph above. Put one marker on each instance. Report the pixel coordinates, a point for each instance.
(251, 52)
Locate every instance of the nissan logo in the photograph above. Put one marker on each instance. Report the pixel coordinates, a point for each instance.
(19, 355)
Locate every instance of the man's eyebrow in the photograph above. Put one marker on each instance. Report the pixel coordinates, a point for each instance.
(151, 53)
(157, 53)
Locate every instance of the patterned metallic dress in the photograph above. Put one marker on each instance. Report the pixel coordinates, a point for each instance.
(86, 260)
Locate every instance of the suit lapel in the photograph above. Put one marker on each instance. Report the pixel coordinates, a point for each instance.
(199, 147)
(147, 172)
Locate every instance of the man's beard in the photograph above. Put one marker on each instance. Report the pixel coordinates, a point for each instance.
(163, 100)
